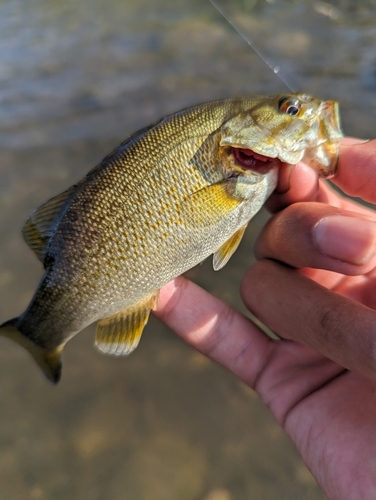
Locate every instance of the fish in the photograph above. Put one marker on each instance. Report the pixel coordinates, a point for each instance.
(164, 200)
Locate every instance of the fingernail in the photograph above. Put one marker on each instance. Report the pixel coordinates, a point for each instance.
(353, 141)
(344, 238)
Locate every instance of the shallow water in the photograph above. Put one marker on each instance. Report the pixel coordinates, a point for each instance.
(76, 78)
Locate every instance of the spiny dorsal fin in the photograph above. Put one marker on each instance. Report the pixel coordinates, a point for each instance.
(120, 334)
(120, 149)
(224, 253)
(39, 227)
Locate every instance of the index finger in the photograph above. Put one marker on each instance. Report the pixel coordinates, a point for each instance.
(214, 328)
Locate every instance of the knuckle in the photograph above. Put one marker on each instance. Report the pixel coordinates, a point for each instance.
(218, 334)
(331, 321)
(348, 335)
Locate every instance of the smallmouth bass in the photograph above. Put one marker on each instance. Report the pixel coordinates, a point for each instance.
(168, 197)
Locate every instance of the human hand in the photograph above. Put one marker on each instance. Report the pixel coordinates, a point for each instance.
(314, 286)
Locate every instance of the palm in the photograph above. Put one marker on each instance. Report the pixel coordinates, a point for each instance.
(319, 380)
(328, 412)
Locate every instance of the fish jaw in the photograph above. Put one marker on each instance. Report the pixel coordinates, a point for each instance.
(256, 175)
(248, 159)
(323, 158)
(257, 186)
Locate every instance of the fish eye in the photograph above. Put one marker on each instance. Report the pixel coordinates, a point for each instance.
(289, 106)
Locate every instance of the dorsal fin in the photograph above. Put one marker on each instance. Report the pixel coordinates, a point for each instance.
(39, 227)
(120, 148)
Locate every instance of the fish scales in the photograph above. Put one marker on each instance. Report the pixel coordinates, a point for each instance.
(162, 202)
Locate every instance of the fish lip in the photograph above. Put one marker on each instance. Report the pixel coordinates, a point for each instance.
(249, 160)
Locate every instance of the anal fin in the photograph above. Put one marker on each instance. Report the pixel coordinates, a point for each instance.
(224, 253)
(120, 334)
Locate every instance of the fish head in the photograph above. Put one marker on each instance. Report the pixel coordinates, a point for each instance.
(284, 128)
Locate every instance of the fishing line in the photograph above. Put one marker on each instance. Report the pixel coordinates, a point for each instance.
(275, 68)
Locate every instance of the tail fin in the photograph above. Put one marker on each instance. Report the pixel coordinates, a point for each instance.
(49, 361)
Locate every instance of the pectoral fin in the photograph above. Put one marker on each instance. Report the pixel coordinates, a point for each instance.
(224, 253)
(120, 334)
(213, 202)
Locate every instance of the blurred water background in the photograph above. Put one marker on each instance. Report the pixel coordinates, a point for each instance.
(76, 78)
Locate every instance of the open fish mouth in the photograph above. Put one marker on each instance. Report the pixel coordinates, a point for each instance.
(250, 160)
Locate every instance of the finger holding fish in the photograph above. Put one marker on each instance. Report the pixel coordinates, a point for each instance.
(304, 226)
(356, 162)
